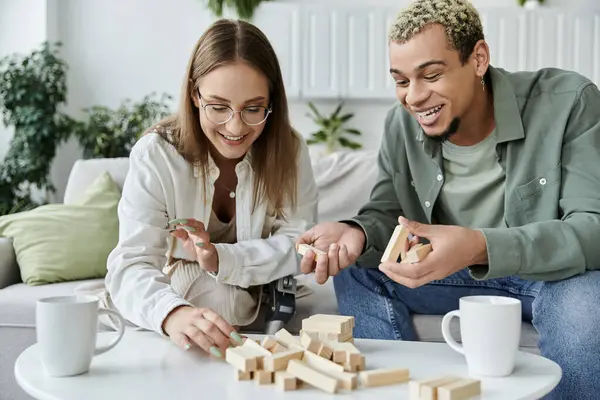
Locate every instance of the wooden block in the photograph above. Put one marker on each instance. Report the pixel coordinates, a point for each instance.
(396, 245)
(427, 389)
(362, 365)
(243, 359)
(347, 319)
(383, 376)
(285, 381)
(242, 376)
(330, 326)
(416, 255)
(345, 380)
(263, 377)
(303, 248)
(288, 340)
(350, 367)
(460, 390)
(279, 361)
(325, 351)
(320, 363)
(311, 376)
(309, 344)
(269, 343)
(336, 337)
(278, 348)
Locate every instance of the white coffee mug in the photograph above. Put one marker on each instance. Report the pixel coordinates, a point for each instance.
(490, 329)
(66, 329)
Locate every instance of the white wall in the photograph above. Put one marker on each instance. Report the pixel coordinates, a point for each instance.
(118, 49)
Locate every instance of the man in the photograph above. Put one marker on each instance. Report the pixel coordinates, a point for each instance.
(500, 172)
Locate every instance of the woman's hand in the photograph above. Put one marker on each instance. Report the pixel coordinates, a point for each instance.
(196, 240)
(201, 326)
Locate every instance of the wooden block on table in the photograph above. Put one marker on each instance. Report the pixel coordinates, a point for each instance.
(416, 255)
(302, 249)
(396, 245)
(244, 359)
(427, 389)
(305, 373)
(288, 340)
(325, 351)
(460, 390)
(285, 381)
(242, 376)
(330, 326)
(362, 364)
(309, 344)
(278, 348)
(383, 376)
(320, 363)
(269, 343)
(346, 319)
(263, 377)
(279, 361)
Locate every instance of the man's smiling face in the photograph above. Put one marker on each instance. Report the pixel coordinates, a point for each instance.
(431, 81)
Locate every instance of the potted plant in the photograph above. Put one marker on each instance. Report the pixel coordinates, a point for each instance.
(32, 91)
(530, 4)
(332, 130)
(109, 133)
(244, 8)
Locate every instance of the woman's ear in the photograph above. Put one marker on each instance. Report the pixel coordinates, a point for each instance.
(194, 94)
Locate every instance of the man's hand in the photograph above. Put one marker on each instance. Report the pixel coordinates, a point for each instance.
(342, 242)
(196, 241)
(453, 248)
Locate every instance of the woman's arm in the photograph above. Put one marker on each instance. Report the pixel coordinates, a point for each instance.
(260, 261)
(137, 286)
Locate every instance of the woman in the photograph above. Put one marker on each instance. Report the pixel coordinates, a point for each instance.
(216, 194)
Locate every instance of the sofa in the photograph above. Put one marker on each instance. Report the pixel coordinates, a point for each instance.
(344, 180)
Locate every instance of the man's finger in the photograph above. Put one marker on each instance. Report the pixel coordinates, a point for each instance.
(344, 257)
(307, 264)
(417, 228)
(307, 237)
(411, 271)
(333, 264)
(404, 281)
(322, 270)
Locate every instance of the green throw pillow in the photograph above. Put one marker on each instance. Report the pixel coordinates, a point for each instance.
(60, 242)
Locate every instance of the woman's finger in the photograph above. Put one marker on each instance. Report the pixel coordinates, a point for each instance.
(222, 324)
(182, 341)
(203, 341)
(213, 334)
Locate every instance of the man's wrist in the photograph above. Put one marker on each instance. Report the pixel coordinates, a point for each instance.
(480, 251)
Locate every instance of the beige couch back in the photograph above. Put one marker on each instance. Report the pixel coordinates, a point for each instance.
(344, 180)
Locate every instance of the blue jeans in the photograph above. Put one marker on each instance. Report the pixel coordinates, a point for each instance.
(565, 313)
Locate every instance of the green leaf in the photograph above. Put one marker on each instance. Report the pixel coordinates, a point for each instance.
(349, 144)
(353, 131)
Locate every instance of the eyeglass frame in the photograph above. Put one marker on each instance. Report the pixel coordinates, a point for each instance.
(203, 106)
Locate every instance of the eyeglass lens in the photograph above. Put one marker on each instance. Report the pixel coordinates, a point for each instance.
(219, 114)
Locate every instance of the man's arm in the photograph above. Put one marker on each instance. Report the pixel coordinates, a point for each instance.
(380, 215)
(559, 249)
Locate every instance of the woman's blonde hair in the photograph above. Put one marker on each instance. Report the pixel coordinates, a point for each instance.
(275, 151)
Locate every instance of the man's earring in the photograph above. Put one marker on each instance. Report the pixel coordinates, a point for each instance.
(482, 84)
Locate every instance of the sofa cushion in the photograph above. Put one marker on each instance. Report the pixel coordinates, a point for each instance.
(17, 302)
(344, 181)
(60, 242)
(84, 172)
(9, 271)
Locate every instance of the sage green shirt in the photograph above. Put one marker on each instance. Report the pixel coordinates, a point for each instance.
(548, 145)
(473, 191)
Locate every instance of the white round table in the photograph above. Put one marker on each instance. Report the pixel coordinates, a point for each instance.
(147, 366)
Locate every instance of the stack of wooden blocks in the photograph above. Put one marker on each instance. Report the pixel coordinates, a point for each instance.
(397, 245)
(323, 356)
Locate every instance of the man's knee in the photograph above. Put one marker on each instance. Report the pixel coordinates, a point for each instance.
(570, 305)
(347, 280)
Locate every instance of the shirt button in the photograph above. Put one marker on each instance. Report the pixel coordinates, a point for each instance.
(440, 177)
(543, 181)
(412, 183)
(427, 204)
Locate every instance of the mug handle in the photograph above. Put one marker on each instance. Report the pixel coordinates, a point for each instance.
(120, 328)
(446, 331)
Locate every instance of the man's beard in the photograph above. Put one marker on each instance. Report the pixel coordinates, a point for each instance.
(450, 130)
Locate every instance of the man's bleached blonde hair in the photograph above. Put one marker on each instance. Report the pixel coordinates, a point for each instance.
(459, 18)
